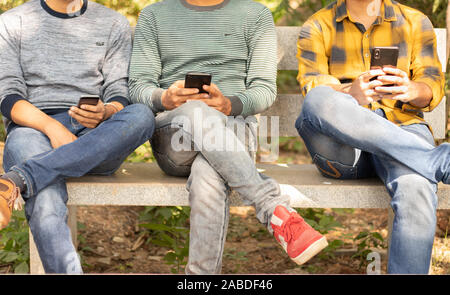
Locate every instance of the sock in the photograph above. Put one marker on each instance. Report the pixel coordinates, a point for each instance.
(17, 179)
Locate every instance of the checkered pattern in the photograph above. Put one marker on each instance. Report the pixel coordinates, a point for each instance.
(333, 49)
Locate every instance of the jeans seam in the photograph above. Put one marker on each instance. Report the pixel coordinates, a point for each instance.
(222, 234)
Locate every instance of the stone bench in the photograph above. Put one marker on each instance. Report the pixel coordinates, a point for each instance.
(143, 184)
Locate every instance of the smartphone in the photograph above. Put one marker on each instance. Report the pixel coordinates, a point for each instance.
(383, 57)
(89, 99)
(197, 80)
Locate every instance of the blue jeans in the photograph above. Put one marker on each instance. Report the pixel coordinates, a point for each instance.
(98, 151)
(212, 175)
(347, 141)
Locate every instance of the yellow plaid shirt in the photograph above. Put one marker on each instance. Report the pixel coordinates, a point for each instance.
(334, 49)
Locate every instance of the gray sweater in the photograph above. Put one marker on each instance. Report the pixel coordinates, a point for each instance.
(51, 59)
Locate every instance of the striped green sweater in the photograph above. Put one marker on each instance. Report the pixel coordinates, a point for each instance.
(235, 41)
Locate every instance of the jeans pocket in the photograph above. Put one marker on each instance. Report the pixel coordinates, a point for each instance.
(333, 169)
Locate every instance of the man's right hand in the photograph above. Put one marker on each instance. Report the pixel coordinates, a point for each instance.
(59, 135)
(177, 95)
(362, 89)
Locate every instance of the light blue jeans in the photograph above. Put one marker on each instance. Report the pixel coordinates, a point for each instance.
(98, 151)
(348, 141)
(212, 175)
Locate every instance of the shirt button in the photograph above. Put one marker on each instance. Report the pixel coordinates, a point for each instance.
(366, 55)
(366, 35)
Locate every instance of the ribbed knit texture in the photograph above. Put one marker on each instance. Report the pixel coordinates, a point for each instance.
(234, 41)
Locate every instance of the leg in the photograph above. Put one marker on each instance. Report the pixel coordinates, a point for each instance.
(116, 137)
(338, 115)
(414, 203)
(208, 197)
(47, 213)
(222, 145)
(331, 157)
(228, 155)
(47, 216)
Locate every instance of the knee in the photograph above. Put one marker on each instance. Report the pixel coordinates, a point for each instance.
(141, 117)
(205, 185)
(414, 196)
(198, 112)
(46, 214)
(317, 99)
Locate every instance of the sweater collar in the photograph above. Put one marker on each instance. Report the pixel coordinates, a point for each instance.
(65, 15)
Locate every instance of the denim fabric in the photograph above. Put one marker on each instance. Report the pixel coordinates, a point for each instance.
(348, 141)
(212, 173)
(96, 151)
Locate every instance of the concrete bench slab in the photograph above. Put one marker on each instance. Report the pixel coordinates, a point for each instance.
(144, 184)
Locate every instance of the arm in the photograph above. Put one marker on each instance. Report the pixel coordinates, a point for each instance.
(25, 114)
(425, 89)
(115, 74)
(261, 88)
(145, 67)
(313, 60)
(115, 67)
(12, 83)
(314, 71)
(13, 89)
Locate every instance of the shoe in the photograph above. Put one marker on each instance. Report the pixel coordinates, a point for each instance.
(298, 238)
(9, 199)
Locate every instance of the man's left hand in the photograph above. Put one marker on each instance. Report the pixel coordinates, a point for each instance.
(402, 90)
(217, 100)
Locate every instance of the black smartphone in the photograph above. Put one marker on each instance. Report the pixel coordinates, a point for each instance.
(197, 80)
(383, 57)
(89, 99)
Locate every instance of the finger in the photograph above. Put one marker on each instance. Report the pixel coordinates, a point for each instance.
(395, 71)
(91, 108)
(185, 91)
(374, 84)
(83, 120)
(86, 114)
(178, 84)
(391, 79)
(212, 89)
(371, 74)
(392, 89)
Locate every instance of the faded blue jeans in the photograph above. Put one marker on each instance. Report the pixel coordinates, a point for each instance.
(348, 141)
(212, 174)
(98, 151)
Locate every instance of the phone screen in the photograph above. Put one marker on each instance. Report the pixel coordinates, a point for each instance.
(89, 99)
(197, 80)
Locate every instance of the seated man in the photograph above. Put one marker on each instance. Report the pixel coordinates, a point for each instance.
(235, 41)
(354, 127)
(51, 53)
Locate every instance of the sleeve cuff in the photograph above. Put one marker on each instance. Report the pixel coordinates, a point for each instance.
(121, 99)
(436, 89)
(7, 104)
(236, 105)
(156, 100)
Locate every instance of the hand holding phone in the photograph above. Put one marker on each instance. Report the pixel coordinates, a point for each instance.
(89, 111)
(197, 80)
(383, 57)
(88, 99)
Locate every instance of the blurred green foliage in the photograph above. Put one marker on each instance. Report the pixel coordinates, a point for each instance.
(286, 12)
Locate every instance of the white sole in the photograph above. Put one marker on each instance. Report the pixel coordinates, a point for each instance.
(311, 251)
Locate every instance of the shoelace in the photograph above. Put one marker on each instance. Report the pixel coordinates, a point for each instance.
(292, 226)
(15, 200)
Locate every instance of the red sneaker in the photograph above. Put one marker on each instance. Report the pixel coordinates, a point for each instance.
(298, 238)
